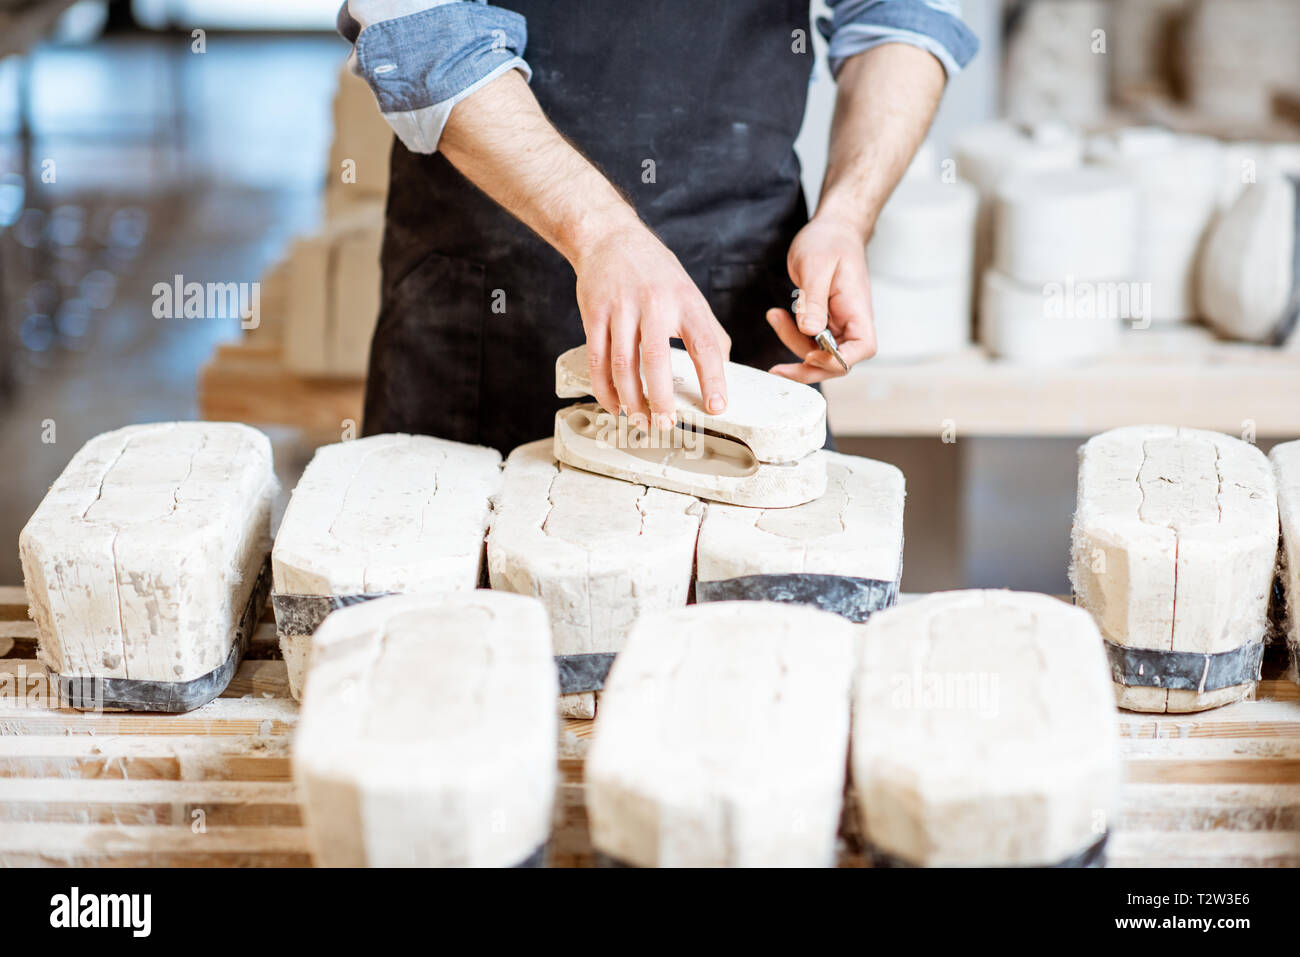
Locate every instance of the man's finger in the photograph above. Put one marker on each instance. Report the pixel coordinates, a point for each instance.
(820, 359)
(814, 283)
(708, 354)
(625, 366)
(602, 384)
(788, 332)
(657, 368)
(850, 304)
(803, 372)
(858, 350)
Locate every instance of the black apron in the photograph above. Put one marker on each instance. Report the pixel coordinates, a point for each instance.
(476, 307)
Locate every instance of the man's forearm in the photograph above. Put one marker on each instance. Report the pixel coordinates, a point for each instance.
(887, 96)
(500, 139)
(633, 294)
(886, 100)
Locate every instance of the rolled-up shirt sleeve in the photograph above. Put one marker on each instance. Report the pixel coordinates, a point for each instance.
(421, 57)
(932, 25)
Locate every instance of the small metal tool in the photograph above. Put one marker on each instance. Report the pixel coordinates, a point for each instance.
(828, 344)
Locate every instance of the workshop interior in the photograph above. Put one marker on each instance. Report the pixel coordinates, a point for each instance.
(1020, 588)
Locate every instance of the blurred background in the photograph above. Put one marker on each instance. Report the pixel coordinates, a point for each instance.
(148, 139)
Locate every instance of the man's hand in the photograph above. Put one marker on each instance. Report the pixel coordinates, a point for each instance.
(632, 292)
(634, 296)
(828, 264)
(885, 99)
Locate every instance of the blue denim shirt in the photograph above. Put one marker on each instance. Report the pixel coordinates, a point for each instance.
(421, 57)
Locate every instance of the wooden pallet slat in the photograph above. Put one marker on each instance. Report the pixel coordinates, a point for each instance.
(148, 802)
(1215, 788)
(1205, 849)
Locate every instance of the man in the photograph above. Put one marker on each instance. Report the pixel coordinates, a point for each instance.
(629, 178)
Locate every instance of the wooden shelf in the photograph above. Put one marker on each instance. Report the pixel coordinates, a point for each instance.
(247, 382)
(1180, 376)
(1176, 376)
(1218, 788)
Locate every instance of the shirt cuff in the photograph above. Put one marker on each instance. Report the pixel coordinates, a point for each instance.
(421, 65)
(859, 25)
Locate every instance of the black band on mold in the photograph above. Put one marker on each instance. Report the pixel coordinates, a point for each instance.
(297, 615)
(93, 693)
(535, 859)
(1184, 670)
(1094, 855)
(303, 614)
(1277, 618)
(853, 598)
(580, 673)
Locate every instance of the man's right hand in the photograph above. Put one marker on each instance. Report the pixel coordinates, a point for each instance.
(634, 296)
(633, 293)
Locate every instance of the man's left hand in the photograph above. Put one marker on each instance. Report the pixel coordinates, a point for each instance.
(828, 264)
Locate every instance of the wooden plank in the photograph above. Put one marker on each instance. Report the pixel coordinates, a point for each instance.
(144, 757)
(1205, 849)
(148, 802)
(186, 856)
(225, 716)
(244, 382)
(13, 603)
(1278, 689)
(236, 767)
(575, 738)
(132, 845)
(1160, 375)
(1235, 770)
(1193, 807)
(259, 678)
(1218, 749)
(1219, 788)
(1263, 717)
(22, 639)
(1195, 761)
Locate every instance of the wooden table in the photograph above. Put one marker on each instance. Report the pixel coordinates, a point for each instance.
(1179, 375)
(246, 381)
(213, 787)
